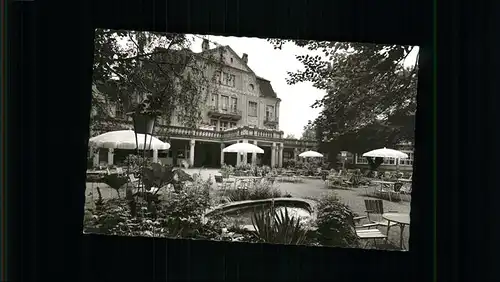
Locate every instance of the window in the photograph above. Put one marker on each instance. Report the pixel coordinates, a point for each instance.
(234, 105)
(215, 100)
(287, 155)
(269, 112)
(119, 113)
(231, 60)
(389, 161)
(232, 124)
(252, 87)
(217, 77)
(223, 125)
(252, 109)
(213, 122)
(361, 160)
(225, 102)
(408, 161)
(228, 79)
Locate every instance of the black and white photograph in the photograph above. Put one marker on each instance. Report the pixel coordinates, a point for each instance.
(259, 140)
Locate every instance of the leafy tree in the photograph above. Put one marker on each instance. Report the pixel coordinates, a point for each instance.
(134, 67)
(309, 133)
(370, 96)
(290, 136)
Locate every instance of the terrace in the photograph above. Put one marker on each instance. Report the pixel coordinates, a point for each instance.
(245, 132)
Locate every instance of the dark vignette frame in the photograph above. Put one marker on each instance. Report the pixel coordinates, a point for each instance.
(58, 250)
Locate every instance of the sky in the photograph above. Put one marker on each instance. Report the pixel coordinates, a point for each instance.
(273, 65)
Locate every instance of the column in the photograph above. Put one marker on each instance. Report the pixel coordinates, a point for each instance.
(280, 155)
(273, 155)
(111, 153)
(254, 155)
(238, 156)
(245, 155)
(155, 156)
(96, 157)
(295, 153)
(191, 152)
(222, 146)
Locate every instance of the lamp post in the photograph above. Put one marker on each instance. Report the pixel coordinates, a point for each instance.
(144, 123)
(343, 155)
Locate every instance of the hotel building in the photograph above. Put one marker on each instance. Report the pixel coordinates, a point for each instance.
(245, 109)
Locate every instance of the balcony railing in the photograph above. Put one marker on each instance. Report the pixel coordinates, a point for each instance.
(230, 112)
(269, 120)
(245, 132)
(299, 143)
(249, 132)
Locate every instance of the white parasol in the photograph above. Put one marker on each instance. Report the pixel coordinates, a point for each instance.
(311, 154)
(125, 139)
(386, 153)
(243, 148)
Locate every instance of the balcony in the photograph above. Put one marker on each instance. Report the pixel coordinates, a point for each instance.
(253, 133)
(231, 113)
(299, 143)
(271, 121)
(176, 131)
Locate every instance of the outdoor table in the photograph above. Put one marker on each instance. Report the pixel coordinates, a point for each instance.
(404, 180)
(244, 178)
(400, 218)
(101, 171)
(382, 183)
(96, 172)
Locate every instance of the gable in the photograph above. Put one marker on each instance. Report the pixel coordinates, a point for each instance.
(231, 59)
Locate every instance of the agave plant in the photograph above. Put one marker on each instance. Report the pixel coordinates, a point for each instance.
(289, 229)
(280, 228)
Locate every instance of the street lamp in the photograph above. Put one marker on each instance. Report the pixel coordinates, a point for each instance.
(144, 123)
(344, 158)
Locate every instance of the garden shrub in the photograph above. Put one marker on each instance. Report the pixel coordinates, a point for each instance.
(226, 170)
(258, 191)
(134, 162)
(179, 215)
(334, 222)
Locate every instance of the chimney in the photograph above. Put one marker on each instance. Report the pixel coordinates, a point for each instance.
(205, 45)
(245, 58)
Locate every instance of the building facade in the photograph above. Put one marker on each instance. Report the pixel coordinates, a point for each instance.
(245, 109)
(389, 163)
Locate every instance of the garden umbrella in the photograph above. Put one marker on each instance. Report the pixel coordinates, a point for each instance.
(125, 139)
(311, 154)
(243, 148)
(386, 153)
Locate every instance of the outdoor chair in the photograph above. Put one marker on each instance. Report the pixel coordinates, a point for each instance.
(406, 190)
(397, 189)
(221, 183)
(367, 234)
(119, 171)
(133, 180)
(351, 179)
(374, 211)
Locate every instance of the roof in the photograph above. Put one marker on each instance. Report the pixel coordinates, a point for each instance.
(266, 89)
(265, 86)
